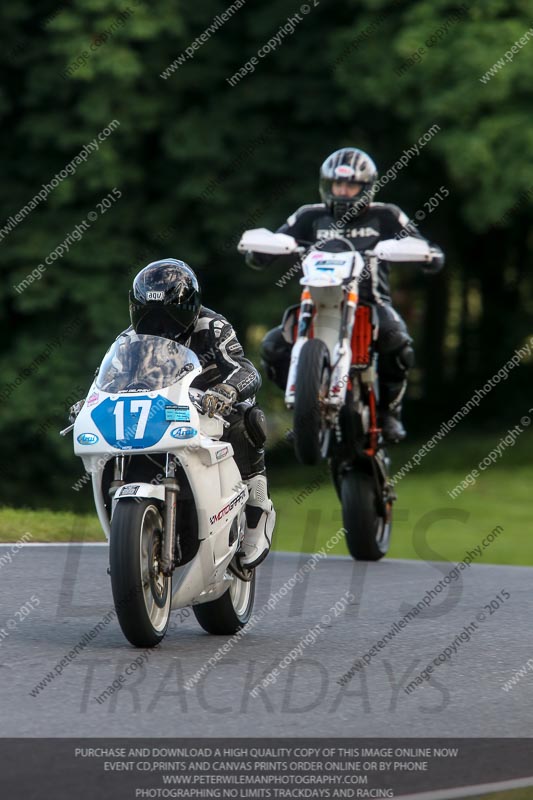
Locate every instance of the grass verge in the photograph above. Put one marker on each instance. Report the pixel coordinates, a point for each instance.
(428, 523)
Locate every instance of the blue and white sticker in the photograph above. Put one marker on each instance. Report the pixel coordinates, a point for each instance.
(177, 413)
(183, 432)
(88, 438)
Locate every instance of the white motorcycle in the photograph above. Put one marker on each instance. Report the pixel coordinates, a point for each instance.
(332, 386)
(168, 493)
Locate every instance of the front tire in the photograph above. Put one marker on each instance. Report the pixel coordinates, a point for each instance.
(228, 614)
(368, 529)
(312, 385)
(141, 593)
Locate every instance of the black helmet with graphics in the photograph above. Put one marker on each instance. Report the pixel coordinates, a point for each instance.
(347, 182)
(165, 300)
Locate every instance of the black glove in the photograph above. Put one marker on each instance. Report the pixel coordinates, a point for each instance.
(219, 399)
(258, 261)
(74, 411)
(437, 260)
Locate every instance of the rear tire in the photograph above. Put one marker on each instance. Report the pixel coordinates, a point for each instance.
(367, 529)
(312, 383)
(229, 613)
(142, 597)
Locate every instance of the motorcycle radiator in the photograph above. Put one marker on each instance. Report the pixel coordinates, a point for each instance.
(362, 337)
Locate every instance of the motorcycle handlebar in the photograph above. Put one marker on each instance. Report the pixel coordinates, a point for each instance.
(194, 401)
(65, 431)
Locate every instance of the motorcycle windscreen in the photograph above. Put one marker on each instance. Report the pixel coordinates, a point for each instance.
(142, 365)
(138, 362)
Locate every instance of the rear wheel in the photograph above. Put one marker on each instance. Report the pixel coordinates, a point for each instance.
(367, 523)
(142, 594)
(312, 386)
(229, 613)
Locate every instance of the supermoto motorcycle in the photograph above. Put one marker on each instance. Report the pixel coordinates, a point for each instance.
(332, 386)
(168, 493)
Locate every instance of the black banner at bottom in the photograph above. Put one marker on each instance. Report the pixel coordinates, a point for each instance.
(296, 769)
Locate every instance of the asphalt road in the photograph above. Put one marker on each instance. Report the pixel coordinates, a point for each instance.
(464, 698)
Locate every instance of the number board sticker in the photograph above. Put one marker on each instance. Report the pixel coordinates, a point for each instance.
(130, 423)
(128, 491)
(177, 414)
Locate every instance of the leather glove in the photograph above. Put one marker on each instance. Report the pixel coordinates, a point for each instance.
(258, 261)
(219, 399)
(75, 410)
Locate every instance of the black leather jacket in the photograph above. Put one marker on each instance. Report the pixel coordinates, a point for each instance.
(315, 223)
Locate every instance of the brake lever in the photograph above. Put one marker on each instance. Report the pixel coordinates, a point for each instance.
(65, 431)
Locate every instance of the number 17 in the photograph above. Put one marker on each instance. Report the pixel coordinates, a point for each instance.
(136, 406)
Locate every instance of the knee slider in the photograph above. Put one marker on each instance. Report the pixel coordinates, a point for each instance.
(394, 366)
(406, 357)
(275, 356)
(274, 346)
(255, 426)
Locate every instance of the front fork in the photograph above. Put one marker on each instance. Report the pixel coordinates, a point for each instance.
(377, 454)
(374, 430)
(119, 471)
(166, 561)
(304, 327)
(386, 494)
(342, 354)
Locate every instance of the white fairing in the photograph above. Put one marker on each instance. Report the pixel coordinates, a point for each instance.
(217, 487)
(406, 249)
(330, 269)
(327, 275)
(261, 240)
(330, 277)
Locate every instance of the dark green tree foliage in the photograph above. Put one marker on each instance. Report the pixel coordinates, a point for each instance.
(483, 153)
(197, 161)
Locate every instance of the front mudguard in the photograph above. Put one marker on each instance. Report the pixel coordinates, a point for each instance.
(138, 490)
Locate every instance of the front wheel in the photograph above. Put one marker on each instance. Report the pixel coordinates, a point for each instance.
(367, 520)
(142, 594)
(228, 614)
(312, 386)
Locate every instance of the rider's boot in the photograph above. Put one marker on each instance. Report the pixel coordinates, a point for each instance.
(393, 430)
(391, 412)
(260, 522)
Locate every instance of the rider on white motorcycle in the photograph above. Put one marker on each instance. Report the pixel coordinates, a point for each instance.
(166, 301)
(348, 181)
